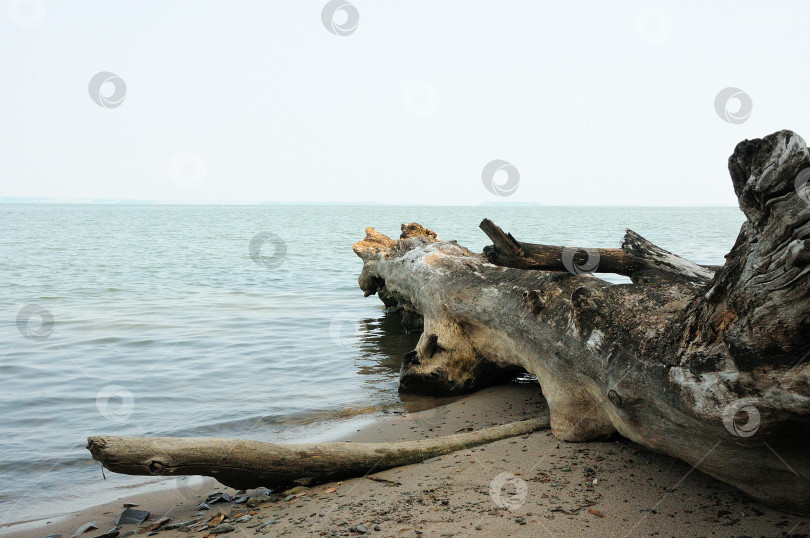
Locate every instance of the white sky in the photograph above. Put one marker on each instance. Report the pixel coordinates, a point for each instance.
(277, 108)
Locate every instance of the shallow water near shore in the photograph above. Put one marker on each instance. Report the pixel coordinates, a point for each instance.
(164, 324)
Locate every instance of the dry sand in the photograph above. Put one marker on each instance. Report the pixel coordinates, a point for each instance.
(612, 488)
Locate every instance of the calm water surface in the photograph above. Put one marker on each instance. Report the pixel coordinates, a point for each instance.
(163, 324)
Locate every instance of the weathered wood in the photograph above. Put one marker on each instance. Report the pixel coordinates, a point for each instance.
(638, 258)
(668, 362)
(709, 365)
(244, 464)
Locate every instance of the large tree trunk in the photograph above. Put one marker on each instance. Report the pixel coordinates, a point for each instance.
(244, 464)
(672, 361)
(705, 364)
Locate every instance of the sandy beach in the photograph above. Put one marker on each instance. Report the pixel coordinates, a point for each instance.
(532, 485)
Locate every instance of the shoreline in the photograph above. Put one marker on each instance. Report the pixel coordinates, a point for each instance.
(331, 426)
(637, 492)
(341, 425)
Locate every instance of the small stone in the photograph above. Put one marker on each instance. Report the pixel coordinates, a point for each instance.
(253, 502)
(267, 523)
(296, 490)
(131, 516)
(112, 533)
(478, 527)
(217, 496)
(155, 526)
(85, 528)
(222, 528)
(362, 529)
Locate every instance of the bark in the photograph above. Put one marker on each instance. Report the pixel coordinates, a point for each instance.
(244, 464)
(705, 364)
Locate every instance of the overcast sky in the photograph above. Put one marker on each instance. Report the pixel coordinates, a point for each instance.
(592, 103)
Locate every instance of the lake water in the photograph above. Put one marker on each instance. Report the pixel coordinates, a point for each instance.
(163, 323)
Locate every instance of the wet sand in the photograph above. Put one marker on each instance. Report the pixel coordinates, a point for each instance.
(532, 485)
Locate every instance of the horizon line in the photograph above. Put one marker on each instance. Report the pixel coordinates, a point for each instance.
(20, 200)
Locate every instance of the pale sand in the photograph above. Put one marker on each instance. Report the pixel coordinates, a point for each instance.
(451, 496)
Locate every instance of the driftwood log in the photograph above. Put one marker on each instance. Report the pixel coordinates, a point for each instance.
(707, 364)
(244, 464)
